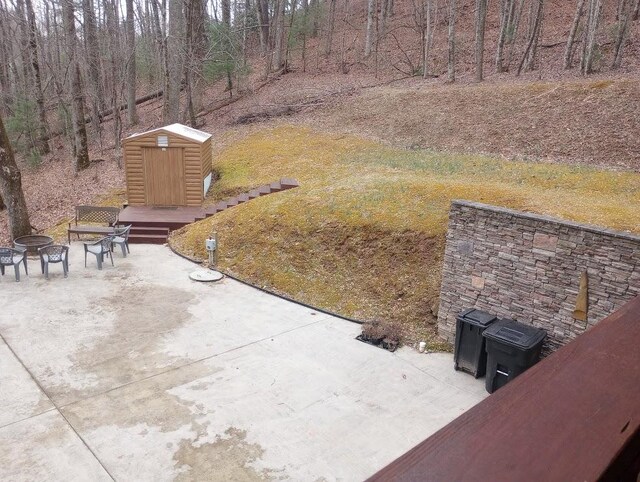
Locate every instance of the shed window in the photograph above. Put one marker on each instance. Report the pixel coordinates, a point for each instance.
(163, 141)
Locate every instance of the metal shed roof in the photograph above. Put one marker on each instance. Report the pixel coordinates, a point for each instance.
(178, 129)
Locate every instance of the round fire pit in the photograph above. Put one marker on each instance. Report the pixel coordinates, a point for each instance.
(32, 242)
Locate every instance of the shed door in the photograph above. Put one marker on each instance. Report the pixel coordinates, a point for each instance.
(164, 176)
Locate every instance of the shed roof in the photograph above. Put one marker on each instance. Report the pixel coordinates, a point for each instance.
(178, 129)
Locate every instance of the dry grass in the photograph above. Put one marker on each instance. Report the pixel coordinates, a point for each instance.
(364, 233)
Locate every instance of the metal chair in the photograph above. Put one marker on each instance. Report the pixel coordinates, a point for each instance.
(99, 249)
(121, 238)
(55, 253)
(13, 257)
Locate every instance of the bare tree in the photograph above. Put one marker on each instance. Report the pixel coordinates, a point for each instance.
(480, 21)
(624, 12)
(589, 45)
(81, 150)
(537, 16)
(431, 7)
(506, 14)
(263, 18)
(111, 13)
(451, 38)
(173, 62)
(11, 188)
(132, 114)
(42, 143)
(371, 19)
(330, 24)
(93, 56)
(279, 41)
(568, 51)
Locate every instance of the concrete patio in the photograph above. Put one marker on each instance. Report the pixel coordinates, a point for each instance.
(136, 372)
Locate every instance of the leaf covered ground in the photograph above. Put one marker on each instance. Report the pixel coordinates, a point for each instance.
(363, 235)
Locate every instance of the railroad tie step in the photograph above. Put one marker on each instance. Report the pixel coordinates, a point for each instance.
(288, 183)
(242, 198)
(275, 186)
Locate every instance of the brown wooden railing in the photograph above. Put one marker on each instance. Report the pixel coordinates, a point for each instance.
(573, 416)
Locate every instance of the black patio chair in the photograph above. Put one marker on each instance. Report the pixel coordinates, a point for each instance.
(13, 257)
(55, 253)
(99, 249)
(121, 238)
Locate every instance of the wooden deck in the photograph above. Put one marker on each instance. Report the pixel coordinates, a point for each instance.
(573, 416)
(150, 215)
(153, 224)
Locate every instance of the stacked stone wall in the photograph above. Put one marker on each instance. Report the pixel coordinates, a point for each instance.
(528, 267)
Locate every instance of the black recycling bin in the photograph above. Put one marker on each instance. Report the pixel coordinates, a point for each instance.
(470, 355)
(512, 348)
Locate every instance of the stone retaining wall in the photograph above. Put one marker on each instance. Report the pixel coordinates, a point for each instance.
(528, 267)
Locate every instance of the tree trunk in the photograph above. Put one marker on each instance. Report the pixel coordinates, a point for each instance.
(81, 151)
(589, 43)
(93, 54)
(536, 33)
(42, 143)
(515, 26)
(480, 21)
(263, 18)
(451, 51)
(529, 53)
(368, 41)
(623, 27)
(11, 189)
(173, 61)
(132, 114)
(5, 59)
(23, 48)
(568, 51)
(279, 43)
(505, 11)
(331, 16)
(428, 36)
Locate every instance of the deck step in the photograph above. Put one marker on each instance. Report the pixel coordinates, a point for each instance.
(147, 239)
(153, 226)
(143, 230)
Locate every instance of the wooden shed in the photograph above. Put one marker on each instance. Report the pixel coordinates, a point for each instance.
(169, 166)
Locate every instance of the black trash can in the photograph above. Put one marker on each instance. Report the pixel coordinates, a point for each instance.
(470, 355)
(512, 348)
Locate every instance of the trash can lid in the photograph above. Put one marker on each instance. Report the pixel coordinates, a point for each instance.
(516, 334)
(477, 317)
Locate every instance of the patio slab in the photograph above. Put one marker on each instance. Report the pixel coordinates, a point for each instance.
(45, 447)
(20, 396)
(157, 377)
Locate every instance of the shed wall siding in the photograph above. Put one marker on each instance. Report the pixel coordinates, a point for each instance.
(135, 172)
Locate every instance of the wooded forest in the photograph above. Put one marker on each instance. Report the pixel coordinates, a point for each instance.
(67, 66)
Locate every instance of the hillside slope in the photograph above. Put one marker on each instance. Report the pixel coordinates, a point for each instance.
(364, 233)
